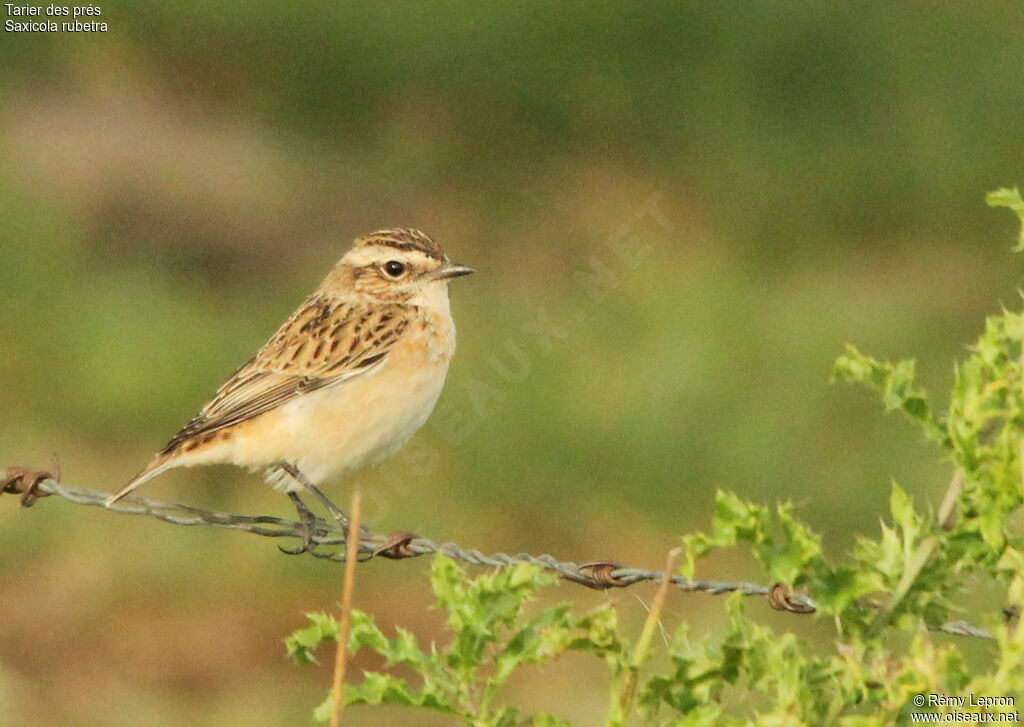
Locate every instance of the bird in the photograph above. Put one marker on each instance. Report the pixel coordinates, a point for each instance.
(343, 383)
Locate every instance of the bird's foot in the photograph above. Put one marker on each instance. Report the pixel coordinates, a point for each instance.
(336, 512)
(309, 528)
(25, 482)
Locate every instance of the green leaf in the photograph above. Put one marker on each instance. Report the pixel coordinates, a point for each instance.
(896, 384)
(303, 643)
(322, 713)
(1009, 198)
(903, 512)
(789, 555)
(379, 688)
(363, 633)
(836, 591)
(541, 637)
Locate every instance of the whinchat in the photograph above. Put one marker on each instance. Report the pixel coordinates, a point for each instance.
(345, 382)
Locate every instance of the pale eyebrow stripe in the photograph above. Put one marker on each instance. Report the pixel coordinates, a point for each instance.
(407, 247)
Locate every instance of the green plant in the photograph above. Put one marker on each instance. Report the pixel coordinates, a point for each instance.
(491, 636)
(890, 599)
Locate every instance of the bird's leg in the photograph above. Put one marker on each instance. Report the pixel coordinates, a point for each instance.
(336, 512)
(339, 514)
(309, 528)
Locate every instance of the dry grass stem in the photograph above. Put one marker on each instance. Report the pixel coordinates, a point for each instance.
(341, 655)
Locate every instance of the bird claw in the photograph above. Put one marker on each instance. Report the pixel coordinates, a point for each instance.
(309, 528)
(25, 482)
(307, 547)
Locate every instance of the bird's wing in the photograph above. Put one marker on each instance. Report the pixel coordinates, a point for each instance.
(324, 343)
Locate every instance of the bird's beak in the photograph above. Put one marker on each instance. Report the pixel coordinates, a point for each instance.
(452, 270)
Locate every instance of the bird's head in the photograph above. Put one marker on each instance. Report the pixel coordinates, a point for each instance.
(398, 266)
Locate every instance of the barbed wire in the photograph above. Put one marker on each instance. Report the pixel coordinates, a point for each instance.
(598, 575)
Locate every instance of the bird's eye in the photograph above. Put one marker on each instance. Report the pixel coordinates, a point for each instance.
(394, 268)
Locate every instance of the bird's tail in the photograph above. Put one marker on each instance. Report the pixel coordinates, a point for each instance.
(160, 464)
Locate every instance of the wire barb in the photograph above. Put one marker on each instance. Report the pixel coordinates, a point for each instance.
(599, 575)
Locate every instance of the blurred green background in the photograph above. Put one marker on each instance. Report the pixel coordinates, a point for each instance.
(679, 213)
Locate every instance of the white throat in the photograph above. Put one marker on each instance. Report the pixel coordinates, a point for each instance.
(433, 296)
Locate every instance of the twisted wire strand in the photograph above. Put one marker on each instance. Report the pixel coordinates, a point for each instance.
(601, 574)
(597, 575)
